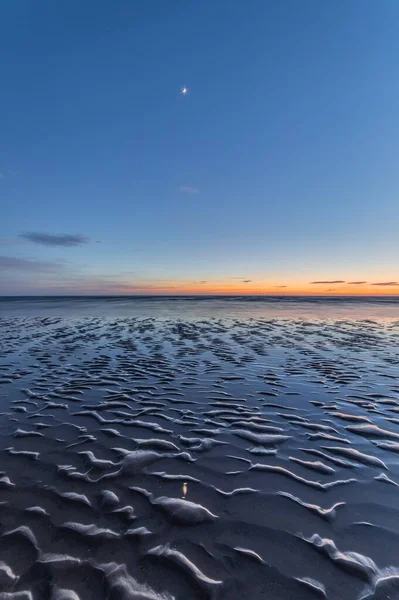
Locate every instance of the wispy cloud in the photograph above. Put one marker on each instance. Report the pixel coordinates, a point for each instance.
(356, 282)
(188, 189)
(281, 286)
(14, 263)
(324, 282)
(246, 280)
(387, 283)
(84, 285)
(49, 239)
(8, 242)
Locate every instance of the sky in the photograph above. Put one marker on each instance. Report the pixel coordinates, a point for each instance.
(275, 173)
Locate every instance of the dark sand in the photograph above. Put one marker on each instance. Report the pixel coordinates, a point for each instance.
(228, 457)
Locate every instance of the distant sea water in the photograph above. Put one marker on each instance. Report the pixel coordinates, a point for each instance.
(196, 307)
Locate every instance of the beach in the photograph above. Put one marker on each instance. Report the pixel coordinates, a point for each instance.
(226, 448)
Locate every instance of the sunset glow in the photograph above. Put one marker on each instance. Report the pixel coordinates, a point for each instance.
(204, 288)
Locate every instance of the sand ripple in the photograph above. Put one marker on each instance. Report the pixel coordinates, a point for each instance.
(162, 459)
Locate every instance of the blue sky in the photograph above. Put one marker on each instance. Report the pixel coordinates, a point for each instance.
(278, 166)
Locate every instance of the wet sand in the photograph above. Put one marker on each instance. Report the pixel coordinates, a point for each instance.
(226, 457)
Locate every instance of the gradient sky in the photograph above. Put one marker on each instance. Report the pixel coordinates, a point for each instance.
(278, 169)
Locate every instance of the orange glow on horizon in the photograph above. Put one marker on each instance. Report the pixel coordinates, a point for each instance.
(219, 288)
(227, 287)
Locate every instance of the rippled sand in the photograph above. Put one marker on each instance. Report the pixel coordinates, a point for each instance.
(146, 458)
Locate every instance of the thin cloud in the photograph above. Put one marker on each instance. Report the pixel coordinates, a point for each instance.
(281, 286)
(188, 189)
(85, 286)
(49, 239)
(326, 282)
(356, 282)
(14, 263)
(246, 280)
(387, 283)
(8, 242)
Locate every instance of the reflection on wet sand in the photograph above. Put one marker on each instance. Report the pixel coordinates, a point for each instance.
(204, 458)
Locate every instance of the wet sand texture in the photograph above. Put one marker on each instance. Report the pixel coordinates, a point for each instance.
(146, 458)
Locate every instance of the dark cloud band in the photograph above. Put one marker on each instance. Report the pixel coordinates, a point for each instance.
(48, 239)
(323, 282)
(387, 283)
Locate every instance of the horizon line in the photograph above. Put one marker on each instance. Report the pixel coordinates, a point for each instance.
(182, 295)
